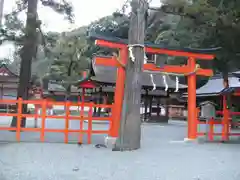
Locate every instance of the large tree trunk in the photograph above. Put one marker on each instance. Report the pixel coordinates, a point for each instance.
(28, 53)
(130, 130)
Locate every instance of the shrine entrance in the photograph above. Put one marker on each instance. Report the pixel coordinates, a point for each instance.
(191, 70)
(72, 123)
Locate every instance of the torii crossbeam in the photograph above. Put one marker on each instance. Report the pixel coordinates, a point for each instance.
(187, 70)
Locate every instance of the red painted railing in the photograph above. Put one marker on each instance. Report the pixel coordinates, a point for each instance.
(226, 126)
(44, 104)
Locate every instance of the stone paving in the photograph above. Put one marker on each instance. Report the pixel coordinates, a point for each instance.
(163, 156)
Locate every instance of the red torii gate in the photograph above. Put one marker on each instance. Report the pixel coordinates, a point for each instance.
(186, 70)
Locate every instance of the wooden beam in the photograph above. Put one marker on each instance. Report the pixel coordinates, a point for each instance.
(167, 69)
(111, 61)
(179, 53)
(205, 72)
(177, 69)
(106, 61)
(108, 44)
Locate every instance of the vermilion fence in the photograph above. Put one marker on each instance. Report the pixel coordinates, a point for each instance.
(43, 104)
(225, 125)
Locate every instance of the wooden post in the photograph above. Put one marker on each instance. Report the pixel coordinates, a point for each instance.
(167, 101)
(150, 107)
(192, 119)
(145, 105)
(158, 107)
(130, 129)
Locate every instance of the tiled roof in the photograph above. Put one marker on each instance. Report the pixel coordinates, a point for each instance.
(215, 85)
(4, 69)
(94, 36)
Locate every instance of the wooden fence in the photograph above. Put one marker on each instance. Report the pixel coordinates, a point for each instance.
(43, 104)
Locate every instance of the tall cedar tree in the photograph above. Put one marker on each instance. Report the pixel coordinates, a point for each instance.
(30, 43)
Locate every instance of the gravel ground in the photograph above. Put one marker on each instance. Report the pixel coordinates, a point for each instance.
(163, 156)
(6, 136)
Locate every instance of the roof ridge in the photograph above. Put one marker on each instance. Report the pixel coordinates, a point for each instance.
(6, 67)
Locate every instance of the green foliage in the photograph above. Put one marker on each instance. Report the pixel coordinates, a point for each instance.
(206, 23)
(116, 26)
(199, 24)
(69, 59)
(14, 31)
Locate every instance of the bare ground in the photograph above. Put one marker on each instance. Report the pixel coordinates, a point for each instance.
(163, 156)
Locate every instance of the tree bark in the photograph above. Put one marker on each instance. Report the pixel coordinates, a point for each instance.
(28, 53)
(69, 74)
(130, 128)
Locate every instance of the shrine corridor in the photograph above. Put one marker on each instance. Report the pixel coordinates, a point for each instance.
(163, 156)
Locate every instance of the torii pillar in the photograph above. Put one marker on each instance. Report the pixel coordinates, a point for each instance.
(192, 111)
